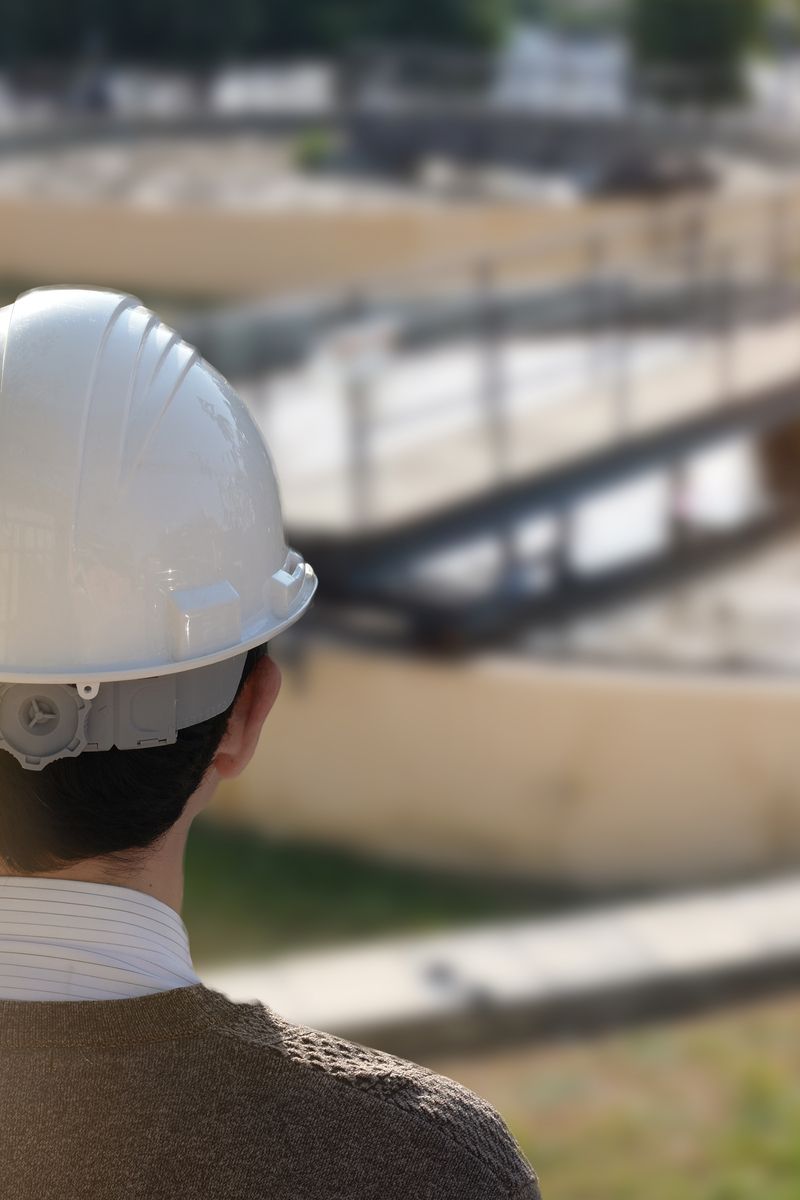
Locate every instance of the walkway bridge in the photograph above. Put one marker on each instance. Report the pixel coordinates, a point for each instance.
(438, 450)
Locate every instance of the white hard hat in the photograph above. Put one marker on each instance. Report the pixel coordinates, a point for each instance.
(142, 550)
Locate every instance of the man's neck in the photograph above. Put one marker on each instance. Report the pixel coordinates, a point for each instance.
(156, 871)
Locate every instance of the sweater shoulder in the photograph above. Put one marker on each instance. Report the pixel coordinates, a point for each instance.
(464, 1118)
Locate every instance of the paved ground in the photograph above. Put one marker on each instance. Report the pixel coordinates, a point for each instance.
(532, 975)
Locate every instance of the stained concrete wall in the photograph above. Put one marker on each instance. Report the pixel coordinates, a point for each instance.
(600, 778)
(207, 252)
(226, 255)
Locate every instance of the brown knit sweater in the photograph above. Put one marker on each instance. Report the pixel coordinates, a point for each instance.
(186, 1094)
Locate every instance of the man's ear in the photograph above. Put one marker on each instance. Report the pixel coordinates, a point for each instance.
(249, 713)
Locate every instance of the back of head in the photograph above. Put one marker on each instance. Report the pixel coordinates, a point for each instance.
(143, 569)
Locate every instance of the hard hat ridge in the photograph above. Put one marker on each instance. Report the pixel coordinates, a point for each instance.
(136, 490)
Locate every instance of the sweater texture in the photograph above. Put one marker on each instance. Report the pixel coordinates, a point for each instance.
(187, 1094)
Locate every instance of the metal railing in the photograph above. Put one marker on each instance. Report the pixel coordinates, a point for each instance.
(708, 276)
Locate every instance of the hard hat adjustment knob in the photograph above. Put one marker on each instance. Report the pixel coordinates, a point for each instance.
(40, 722)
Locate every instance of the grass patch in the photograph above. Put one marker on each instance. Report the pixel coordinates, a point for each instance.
(250, 897)
(706, 1108)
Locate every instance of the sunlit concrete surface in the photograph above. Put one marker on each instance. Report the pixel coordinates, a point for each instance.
(743, 618)
(429, 428)
(209, 251)
(156, 216)
(562, 967)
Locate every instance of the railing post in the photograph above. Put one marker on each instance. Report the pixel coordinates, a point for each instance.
(593, 256)
(726, 327)
(778, 251)
(358, 403)
(494, 394)
(493, 387)
(695, 254)
(606, 326)
(623, 391)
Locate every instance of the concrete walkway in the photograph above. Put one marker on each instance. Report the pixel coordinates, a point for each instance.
(523, 978)
(427, 436)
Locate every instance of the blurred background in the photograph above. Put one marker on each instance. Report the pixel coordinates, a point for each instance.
(512, 288)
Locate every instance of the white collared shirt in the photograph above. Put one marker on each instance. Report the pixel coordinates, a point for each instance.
(64, 939)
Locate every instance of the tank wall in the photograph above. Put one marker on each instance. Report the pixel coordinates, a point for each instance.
(504, 765)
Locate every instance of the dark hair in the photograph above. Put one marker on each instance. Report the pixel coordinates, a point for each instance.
(111, 802)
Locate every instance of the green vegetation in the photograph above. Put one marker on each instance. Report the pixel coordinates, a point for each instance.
(575, 16)
(313, 149)
(205, 31)
(695, 49)
(248, 897)
(783, 25)
(701, 1109)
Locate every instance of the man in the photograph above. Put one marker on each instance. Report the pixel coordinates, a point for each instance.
(143, 571)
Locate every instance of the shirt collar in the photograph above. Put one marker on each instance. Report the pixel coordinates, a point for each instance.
(69, 939)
